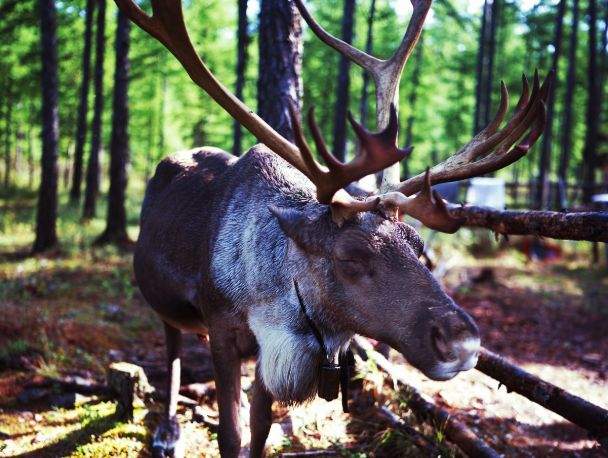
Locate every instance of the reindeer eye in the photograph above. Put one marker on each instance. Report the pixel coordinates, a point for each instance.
(353, 268)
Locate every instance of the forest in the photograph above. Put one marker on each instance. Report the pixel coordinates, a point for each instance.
(93, 96)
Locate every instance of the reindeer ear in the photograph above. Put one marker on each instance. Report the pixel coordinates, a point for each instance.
(309, 232)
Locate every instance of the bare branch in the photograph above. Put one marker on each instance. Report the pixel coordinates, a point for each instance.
(591, 226)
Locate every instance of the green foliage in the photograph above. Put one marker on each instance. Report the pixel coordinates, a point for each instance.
(168, 112)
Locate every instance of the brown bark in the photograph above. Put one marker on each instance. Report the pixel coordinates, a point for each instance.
(280, 63)
(591, 226)
(544, 166)
(369, 44)
(116, 222)
(456, 432)
(241, 67)
(8, 132)
(92, 183)
(413, 97)
(422, 442)
(489, 86)
(566, 127)
(83, 108)
(46, 216)
(571, 407)
(593, 108)
(341, 106)
(481, 57)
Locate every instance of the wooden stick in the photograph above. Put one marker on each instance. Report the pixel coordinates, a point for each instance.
(457, 432)
(591, 226)
(577, 410)
(309, 454)
(419, 440)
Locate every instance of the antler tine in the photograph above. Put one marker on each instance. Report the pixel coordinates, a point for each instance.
(167, 25)
(359, 57)
(412, 33)
(377, 67)
(329, 159)
(302, 144)
(379, 148)
(427, 206)
(379, 151)
(488, 153)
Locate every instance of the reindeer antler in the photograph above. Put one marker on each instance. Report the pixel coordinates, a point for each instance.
(386, 73)
(167, 25)
(379, 150)
(488, 151)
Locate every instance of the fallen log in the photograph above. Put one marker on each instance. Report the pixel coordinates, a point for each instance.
(309, 454)
(591, 226)
(419, 440)
(577, 410)
(456, 432)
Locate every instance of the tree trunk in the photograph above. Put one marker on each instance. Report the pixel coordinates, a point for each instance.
(241, 68)
(116, 223)
(409, 129)
(544, 166)
(369, 44)
(491, 39)
(569, 99)
(46, 216)
(593, 109)
(83, 107)
(341, 107)
(92, 184)
(280, 63)
(481, 57)
(8, 133)
(30, 145)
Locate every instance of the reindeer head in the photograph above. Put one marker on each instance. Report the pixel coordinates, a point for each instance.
(369, 280)
(368, 258)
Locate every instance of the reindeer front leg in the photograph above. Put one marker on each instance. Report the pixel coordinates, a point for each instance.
(166, 437)
(227, 368)
(260, 416)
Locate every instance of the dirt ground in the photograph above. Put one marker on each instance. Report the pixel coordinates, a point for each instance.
(72, 314)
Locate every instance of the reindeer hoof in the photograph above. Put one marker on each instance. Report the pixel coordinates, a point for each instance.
(165, 442)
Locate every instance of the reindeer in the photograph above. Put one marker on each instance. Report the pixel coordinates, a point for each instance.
(225, 242)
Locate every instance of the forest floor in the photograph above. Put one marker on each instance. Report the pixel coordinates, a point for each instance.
(73, 312)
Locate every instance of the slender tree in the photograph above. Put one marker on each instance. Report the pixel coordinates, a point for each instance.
(413, 97)
(341, 107)
(280, 63)
(242, 36)
(369, 44)
(491, 44)
(8, 133)
(92, 183)
(116, 222)
(83, 107)
(46, 216)
(544, 166)
(593, 108)
(481, 58)
(566, 128)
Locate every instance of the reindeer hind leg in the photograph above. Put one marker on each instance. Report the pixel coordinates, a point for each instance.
(165, 441)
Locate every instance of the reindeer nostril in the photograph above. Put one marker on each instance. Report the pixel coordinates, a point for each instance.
(440, 343)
